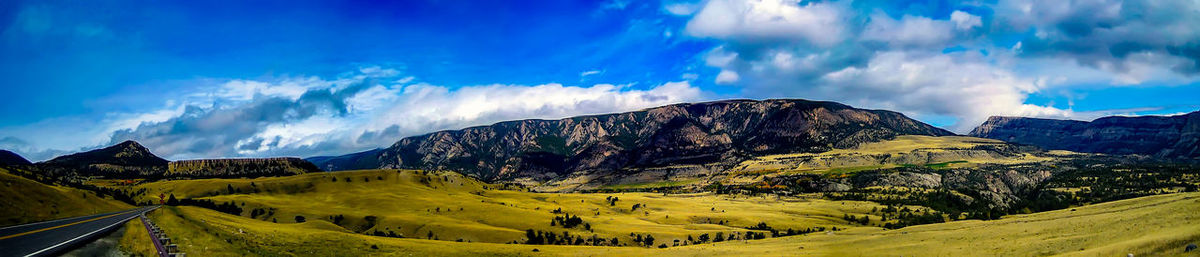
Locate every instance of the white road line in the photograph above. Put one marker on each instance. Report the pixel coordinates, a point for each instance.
(84, 235)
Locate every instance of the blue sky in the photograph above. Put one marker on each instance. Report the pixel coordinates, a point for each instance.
(203, 79)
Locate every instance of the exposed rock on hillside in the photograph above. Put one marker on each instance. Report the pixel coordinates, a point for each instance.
(1162, 136)
(680, 134)
(240, 167)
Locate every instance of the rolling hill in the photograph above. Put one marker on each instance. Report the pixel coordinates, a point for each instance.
(26, 201)
(343, 216)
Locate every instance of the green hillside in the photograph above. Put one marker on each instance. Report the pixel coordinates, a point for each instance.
(28, 201)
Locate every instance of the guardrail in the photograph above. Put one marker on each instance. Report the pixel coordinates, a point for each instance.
(162, 243)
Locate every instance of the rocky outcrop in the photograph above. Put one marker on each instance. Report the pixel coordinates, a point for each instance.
(681, 134)
(1161, 136)
(228, 168)
(10, 158)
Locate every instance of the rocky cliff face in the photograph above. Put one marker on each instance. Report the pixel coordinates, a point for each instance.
(711, 132)
(1162, 136)
(211, 168)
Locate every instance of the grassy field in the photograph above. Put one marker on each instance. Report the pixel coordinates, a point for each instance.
(136, 240)
(415, 204)
(1149, 226)
(933, 152)
(28, 201)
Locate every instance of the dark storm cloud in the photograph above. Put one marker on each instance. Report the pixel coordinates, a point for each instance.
(216, 130)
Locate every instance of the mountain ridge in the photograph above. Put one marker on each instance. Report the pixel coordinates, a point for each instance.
(686, 133)
(1161, 136)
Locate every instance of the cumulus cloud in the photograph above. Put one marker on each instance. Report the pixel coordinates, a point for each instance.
(908, 31)
(1105, 34)
(726, 77)
(959, 63)
(957, 85)
(367, 109)
(965, 21)
(424, 107)
(768, 20)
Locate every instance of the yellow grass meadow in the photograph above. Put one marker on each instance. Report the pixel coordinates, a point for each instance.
(487, 219)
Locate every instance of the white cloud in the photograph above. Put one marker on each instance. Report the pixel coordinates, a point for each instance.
(769, 20)
(727, 77)
(424, 107)
(962, 86)
(965, 21)
(681, 8)
(589, 73)
(909, 31)
(305, 116)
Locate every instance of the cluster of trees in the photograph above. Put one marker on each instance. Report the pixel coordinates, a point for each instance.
(254, 213)
(612, 200)
(126, 196)
(538, 237)
(646, 241)
(778, 233)
(389, 233)
(337, 219)
(569, 221)
(227, 207)
(864, 220)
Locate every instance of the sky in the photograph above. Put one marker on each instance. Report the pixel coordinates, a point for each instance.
(211, 79)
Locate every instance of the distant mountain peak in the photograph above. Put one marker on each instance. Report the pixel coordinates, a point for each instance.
(127, 153)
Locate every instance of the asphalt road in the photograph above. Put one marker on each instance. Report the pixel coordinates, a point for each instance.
(51, 237)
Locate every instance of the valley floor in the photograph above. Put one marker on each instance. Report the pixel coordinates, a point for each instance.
(491, 218)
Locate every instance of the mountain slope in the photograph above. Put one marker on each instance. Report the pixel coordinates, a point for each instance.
(699, 133)
(356, 161)
(125, 160)
(1163, 136)
(128, 153)
(11, 158)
